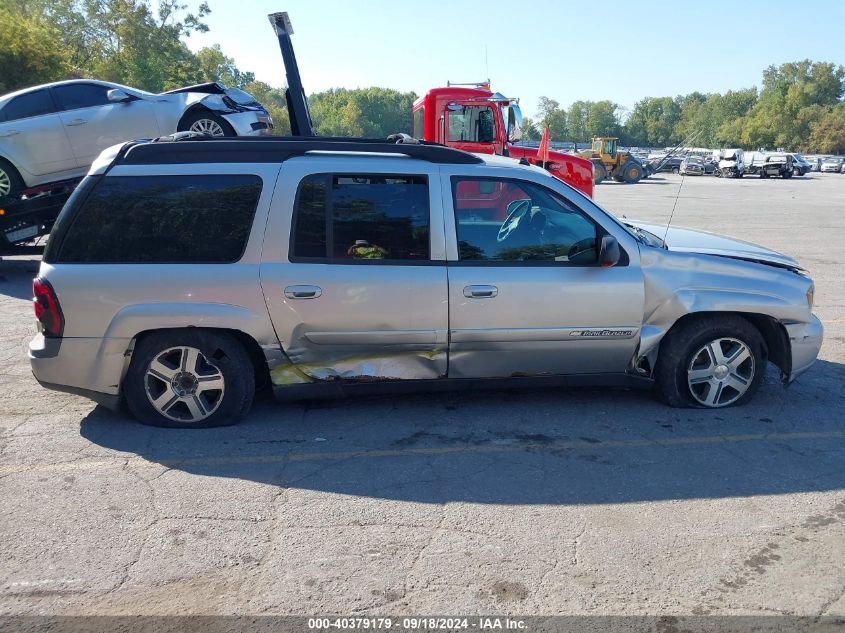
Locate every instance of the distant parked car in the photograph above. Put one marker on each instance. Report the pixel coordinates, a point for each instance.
(672, 165)
(54, 132)
(711, 165)
(777, 165)
(832, 165)
(801, 165)
(692, 166)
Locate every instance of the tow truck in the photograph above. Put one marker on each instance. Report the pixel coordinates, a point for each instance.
(469, 116)
(30, 214)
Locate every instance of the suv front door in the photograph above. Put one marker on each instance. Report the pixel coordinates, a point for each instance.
(526, 295)
(357, 288)
(94, 123)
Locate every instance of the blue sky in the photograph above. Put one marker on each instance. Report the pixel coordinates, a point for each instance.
(563, 50)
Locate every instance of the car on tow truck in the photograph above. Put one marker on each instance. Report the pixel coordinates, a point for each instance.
(53, 132)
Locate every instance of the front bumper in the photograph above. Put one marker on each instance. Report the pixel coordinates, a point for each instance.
(805, 341)
(250, 122)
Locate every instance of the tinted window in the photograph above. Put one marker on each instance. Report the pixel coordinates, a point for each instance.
(509, 220)
(28, 105)
(473, 124)
(75, 96)
(362, 217)
(310, 221)
(160, 219)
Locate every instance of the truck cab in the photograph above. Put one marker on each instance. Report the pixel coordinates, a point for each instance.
(475, 119)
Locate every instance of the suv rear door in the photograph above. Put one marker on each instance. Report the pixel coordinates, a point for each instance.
(527, 297)
(353, 270)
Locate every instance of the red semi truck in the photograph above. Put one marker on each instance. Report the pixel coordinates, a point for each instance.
(473, 118)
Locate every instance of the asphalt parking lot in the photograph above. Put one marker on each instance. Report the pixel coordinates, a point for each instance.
(535, 502)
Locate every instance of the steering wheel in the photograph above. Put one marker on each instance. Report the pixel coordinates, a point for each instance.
(519, 210)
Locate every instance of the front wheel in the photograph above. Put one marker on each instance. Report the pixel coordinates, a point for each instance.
(675, 170)
(206, 123)
(189, 378)
(632, 173)
(710, 362)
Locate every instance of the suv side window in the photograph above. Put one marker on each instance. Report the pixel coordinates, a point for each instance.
(361, 217)
(163, 219)
(502, 220)
(35, 103)
(76, 96)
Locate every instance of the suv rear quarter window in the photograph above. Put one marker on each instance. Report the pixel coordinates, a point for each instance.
(162, 219)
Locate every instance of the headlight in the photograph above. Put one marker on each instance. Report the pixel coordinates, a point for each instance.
(811, 295)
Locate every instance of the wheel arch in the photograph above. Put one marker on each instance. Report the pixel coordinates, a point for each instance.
(253, 349)
(253, 330)
(775, 337)
(194, 109)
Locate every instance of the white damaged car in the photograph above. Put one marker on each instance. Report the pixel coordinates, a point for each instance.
(54, 132)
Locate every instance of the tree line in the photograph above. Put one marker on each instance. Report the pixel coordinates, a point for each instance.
(798, 106)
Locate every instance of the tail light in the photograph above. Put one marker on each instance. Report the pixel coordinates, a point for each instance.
(47, 308)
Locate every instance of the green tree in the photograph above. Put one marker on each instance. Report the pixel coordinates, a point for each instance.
(827, 135)
(652, 122)
(214, 65)
(530, 131)
(552, 116)
(29, 54)
(794, 96)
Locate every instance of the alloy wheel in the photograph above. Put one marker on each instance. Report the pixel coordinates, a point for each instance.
(208, 126)
(720, 372)
(183, 385)
(5, 183)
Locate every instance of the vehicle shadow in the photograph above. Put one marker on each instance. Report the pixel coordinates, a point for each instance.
(16, 277)
(587, 446)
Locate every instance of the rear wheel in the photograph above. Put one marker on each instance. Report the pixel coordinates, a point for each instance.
(205, 122)
(711, 362)
(599, 173)
(189, 378)
(675, 170)
(10, 181)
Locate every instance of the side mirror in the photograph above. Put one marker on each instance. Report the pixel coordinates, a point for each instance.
(116, 95)
(514, 124)
(609, 253)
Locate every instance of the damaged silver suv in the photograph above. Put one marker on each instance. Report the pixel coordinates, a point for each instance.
(183, 274)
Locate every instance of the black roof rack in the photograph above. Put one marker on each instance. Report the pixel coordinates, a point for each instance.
(269, 149)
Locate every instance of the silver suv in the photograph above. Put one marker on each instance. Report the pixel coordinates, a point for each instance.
(183, 274)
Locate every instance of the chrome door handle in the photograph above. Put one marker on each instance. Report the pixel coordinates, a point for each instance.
(303, 292)
(77, 122)
(9, 133)
(480, 292)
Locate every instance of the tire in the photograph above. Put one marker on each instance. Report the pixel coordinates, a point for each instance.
(675, 170)
(161, 369)
(632, 173)
(599, 173)
(684, 361)
(10, 180)
(207, 122)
